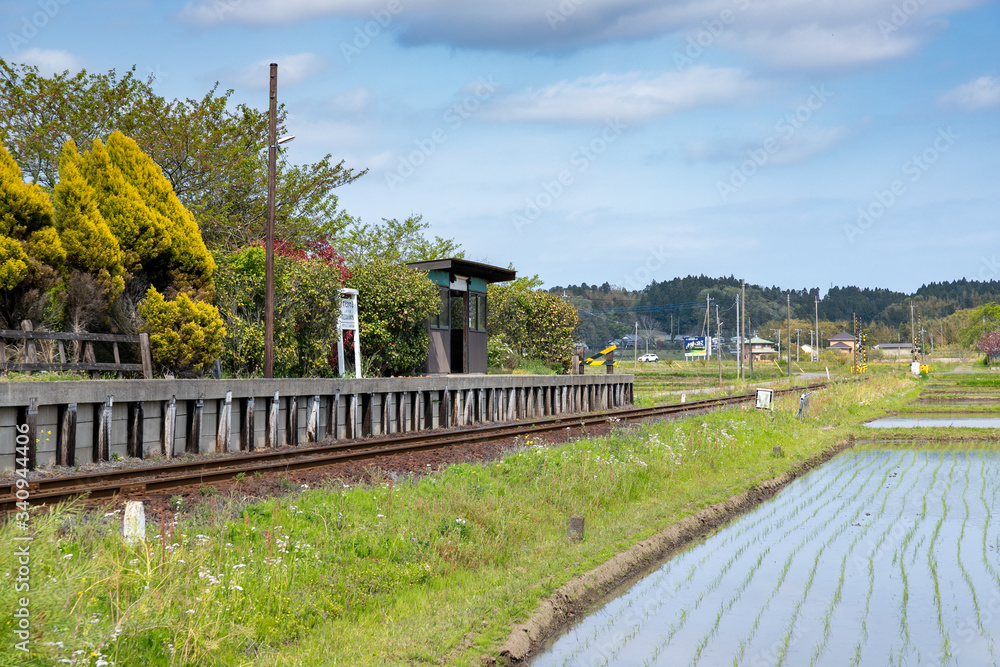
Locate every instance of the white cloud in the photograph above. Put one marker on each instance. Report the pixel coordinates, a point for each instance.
(49, 61)
(352, 103)
(804, 143)
(981, 93)
(809, 142)
(786, 33)
(266, 12)
(292, 69)
(630, 97)
(822, 47)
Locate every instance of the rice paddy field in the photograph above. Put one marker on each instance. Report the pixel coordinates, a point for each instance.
(880, 557)
(887, 555)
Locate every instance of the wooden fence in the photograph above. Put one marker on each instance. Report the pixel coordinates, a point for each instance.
(83, 358)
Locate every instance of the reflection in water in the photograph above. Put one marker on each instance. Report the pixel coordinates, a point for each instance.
(879, 557)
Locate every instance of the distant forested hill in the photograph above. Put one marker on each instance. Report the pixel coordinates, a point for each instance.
(677, 305)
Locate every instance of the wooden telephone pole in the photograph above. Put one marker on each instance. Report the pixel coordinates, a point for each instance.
(743, 329)
(718, 337)
(788, 349)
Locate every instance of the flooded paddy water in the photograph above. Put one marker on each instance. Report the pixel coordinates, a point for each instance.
(927, 420)
(881, 556)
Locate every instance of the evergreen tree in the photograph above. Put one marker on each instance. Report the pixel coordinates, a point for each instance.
(90, 246)
(13, 263)
(24, 207)
(31, 256)
(141, 232)
(189, 266)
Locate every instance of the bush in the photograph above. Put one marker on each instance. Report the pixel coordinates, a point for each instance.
(13, 263)
(499, 354)
(535, 323)
(394, 303)
(306, 284)
(185, 335)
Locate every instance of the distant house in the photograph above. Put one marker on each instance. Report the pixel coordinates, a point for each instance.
(759, 348)
(895, 350)
(842, 342)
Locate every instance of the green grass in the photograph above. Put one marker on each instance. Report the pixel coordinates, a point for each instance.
(417, 570)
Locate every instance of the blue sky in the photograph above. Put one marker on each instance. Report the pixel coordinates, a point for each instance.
(790, 142)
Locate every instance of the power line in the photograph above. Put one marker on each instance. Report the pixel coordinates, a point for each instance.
(664, 308)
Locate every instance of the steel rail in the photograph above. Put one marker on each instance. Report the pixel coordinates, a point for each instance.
(160, 477)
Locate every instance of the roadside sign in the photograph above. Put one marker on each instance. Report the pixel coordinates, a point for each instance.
(765, 399)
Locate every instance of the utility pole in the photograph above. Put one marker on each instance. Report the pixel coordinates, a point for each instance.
(913, 334)
(272, 149)
(818, 343)
(718, 336)
(789, 327)
(635, 347)
(739, 342)
(857, 344)
(743, 329)
(798, 346)
(921, 342)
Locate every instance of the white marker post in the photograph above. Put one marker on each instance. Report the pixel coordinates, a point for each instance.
(348, 321)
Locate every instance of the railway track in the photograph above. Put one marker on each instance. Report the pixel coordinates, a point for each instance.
(137, 481)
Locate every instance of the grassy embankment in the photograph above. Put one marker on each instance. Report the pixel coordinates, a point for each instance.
(398, 572)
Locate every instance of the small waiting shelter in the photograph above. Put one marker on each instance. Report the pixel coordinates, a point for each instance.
(458, 329)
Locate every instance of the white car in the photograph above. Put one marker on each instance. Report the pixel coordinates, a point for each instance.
(649, 357)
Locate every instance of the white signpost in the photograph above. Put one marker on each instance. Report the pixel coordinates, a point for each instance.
(765, 399)
(348, 321)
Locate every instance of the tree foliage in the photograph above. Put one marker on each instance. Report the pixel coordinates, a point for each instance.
(394, 303)
(989, 343)
(141, 233)
(535, 323)
(981, 322)
(88, 242)
(214, 154)
(24, 207)
(306, 284)
(184, 335)
(13, 263)
(396, 242)
(188, 264)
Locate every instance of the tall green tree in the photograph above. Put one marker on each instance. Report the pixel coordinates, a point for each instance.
(90, 246)
(981, 321)
(213, 153)
(31, 255)
(188, 264)
(395, 242)
(141, 232)
(41, 113)
(24, 207)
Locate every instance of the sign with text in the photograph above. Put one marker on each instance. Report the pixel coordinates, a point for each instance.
(695, 346)
(348, 320)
